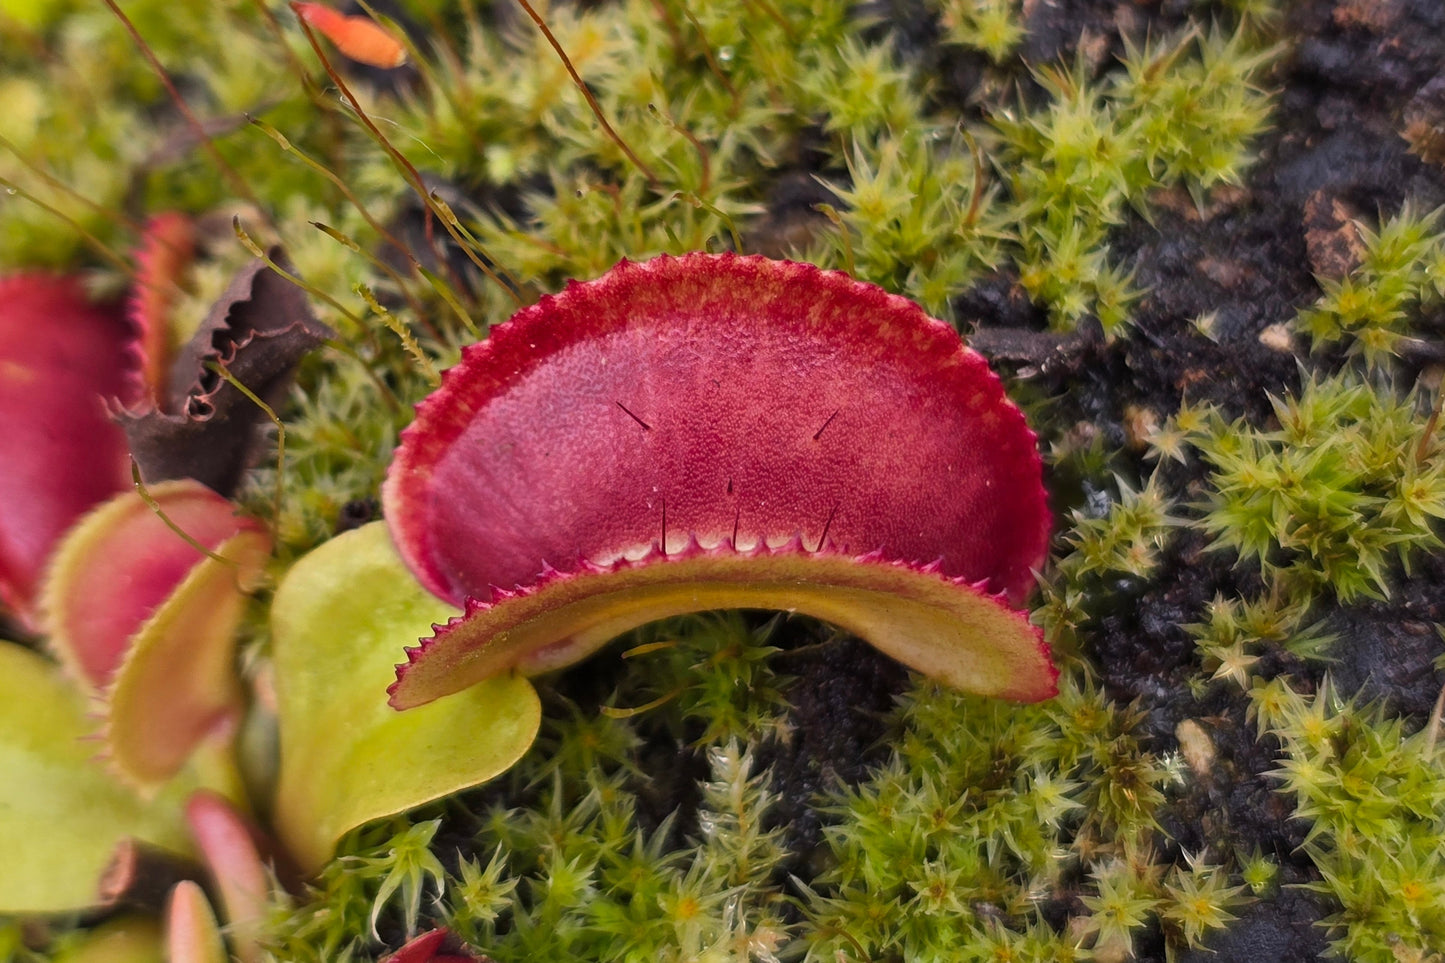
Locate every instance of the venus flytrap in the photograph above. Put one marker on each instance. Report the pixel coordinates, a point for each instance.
(140, 596)
(780, 527)
(60, 831)
(141, 600)
(1003, 823)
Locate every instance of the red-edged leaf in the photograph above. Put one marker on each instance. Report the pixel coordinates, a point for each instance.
(696, 415)
(165, 252)
(148, 619)
(946, 628)
(436, 946)
(115, 569)
(61, 359)
(178, 686)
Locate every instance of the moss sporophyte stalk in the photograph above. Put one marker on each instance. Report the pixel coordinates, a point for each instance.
(268, 424)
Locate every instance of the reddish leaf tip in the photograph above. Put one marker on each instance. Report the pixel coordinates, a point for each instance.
(436, 946)
(165, 252)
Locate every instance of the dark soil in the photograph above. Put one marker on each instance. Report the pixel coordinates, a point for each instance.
(1361, 99)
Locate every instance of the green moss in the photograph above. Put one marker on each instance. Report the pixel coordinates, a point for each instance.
(1333, 496)
(1180, 112)
(1373, 793)
(917, 216)
(994, 27)
(1000, 807)
(1375, 306)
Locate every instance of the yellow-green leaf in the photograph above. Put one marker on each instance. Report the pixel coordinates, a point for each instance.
(61, 812)
(129, 939)
(339, 623)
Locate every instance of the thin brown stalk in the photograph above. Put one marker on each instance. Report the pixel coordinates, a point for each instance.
(408, 340)
(1432, 423)
(673, 32)
(408, 170)
(1432, 728)
(101, 248)
(257, 251)
(703, 155)
(652, 178)
(980, 182)
(109, 213)
(444, 88)
(412, 301)
(297, 67)
(713, 65)
(155, 507)
(831, 213)
(777, 17)
(238, 183)
(285, 144)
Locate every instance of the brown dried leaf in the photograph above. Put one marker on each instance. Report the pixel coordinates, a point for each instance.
(205, 428)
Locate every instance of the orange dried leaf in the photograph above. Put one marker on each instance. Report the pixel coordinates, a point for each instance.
(360, 38)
